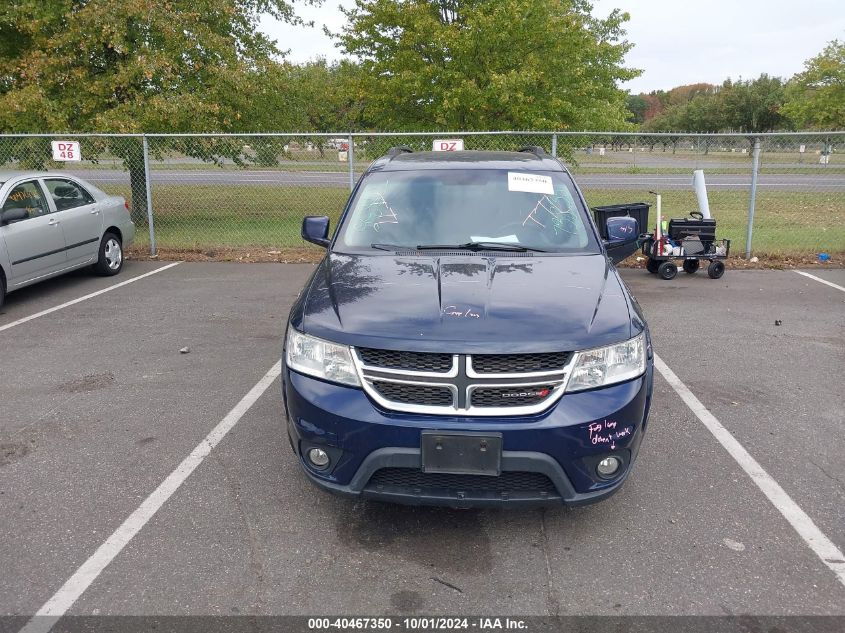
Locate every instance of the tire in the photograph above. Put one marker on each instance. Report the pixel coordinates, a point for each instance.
(652, 265)
(716, 269)
(691, 266)
(667, 270)
(2, 291)
(110, 259)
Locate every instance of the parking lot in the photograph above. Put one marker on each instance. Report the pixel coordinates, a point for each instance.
(100, 407)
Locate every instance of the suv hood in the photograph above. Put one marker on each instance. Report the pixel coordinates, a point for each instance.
(466, 304)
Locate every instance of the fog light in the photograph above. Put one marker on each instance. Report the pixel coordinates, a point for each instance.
(318, 457)
(608, 466)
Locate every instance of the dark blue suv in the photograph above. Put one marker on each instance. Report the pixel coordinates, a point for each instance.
(466, 340)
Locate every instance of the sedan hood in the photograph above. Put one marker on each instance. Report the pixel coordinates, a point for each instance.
(466, 303)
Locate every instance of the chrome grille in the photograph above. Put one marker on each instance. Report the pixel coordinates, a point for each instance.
(518, 363)
(424, 395)
(451, 384)
(410, 361)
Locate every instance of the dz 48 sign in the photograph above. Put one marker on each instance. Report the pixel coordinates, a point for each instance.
(66, 150)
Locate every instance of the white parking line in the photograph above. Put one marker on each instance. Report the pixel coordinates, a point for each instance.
(8, 326)
(820, 280)
(63, 599)
(821, 545)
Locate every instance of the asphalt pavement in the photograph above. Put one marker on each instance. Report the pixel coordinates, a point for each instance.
(100, 406)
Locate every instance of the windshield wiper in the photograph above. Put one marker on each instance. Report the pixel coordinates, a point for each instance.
(390, 247)
(480, 246)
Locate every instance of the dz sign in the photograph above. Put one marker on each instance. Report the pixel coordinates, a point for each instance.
(66, 150)
(448, 145)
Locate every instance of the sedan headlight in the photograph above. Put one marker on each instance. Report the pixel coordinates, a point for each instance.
(608, 365)
(316, 357)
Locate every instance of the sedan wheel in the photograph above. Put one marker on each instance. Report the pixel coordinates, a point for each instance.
(110, 259)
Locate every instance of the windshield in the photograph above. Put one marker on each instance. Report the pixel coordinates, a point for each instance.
(534, 210)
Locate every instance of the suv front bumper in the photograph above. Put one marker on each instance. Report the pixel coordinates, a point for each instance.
(561, 444)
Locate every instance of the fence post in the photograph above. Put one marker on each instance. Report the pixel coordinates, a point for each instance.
(350, 155)
(755, 168)
(149, 197)
(554, 145)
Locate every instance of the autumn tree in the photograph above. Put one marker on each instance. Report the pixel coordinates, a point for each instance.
(140, 66)
(815, 98)
(479, 65)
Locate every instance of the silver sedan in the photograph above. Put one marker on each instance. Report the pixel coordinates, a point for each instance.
(51, 223)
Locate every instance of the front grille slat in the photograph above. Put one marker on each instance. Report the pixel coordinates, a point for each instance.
(519, 363)
(425, 395)
(412, 479)
(510, 396)
(478, 385)
(408, 361)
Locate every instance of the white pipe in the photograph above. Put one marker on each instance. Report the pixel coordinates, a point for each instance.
(701, 192)
(659, 231)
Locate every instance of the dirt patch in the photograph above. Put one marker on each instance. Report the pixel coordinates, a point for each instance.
(291, 255)
(12, 452)
(774, 262)
(306, 254)
(88, 383)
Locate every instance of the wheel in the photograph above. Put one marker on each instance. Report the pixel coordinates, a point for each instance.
(716, 269)
(110, 260)
(667, 270)
(652, 265)
(691, 266)
(2, 290)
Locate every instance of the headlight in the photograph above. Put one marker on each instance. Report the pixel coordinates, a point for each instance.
(608, 365)
(316, 357)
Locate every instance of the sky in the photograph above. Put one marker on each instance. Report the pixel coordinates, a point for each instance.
(677, 42)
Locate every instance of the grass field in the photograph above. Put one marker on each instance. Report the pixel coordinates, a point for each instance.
(263, 217)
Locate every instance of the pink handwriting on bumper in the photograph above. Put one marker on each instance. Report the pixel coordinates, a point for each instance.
(605, 432)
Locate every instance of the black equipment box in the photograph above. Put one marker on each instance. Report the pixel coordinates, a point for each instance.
(703, 229)
(636, 210)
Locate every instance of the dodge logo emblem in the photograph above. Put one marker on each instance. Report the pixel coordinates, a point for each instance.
(540, 393)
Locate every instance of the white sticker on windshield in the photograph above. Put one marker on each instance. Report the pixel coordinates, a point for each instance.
(530, 183)
(504, 239)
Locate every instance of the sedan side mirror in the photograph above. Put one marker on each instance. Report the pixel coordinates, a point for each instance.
(315, 229)
(13, 215)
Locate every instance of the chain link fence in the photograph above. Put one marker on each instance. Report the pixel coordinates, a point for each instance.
(245, 195)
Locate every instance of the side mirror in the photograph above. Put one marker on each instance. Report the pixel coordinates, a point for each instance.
(315, 229)
(13, 215)
(622, 234)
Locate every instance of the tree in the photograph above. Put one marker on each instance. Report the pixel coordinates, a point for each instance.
(637, 106)
(815, 98)
(138, 66)
(327, 95)
(479, 65)
(754, 105)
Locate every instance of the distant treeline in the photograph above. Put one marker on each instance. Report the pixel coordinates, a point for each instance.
(811, 100)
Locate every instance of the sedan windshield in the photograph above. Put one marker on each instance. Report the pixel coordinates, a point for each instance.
(467, 208)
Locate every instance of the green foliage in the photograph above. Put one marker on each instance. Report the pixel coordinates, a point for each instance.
(478, 65)
(815, 98)
(326, 95)
(141, 66)
(637, 106)
(742, 106)
(135, 65)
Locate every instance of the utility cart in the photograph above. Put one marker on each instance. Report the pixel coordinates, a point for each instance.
(692, 251)
(689, 240)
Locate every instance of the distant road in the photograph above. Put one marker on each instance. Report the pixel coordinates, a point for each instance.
(781, 182)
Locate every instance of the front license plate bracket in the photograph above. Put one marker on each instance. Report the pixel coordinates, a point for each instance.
(461, 453)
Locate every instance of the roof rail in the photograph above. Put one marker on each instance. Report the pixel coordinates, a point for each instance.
(538, 151)
(393, 152)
